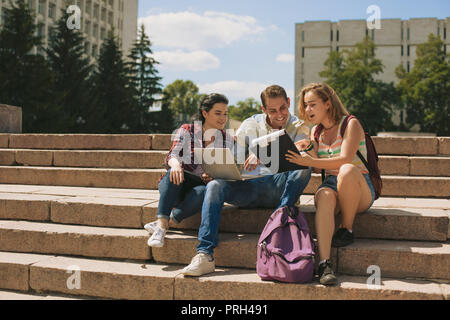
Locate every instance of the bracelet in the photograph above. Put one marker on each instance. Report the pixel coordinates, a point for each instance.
(309, 148)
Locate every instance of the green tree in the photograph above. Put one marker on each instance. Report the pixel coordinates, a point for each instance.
(425, 90)
(144, 75)
(352, 74)
(244, 109)
(114, 109)
(184, 98)
(25, 77)
(71, 69)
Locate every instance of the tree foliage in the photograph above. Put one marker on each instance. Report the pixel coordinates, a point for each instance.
(244, 109)
(183, 97)
(425, 90)
(25, 77)
(72, 70)
(115, 107)
(352, 73)
(146, 82)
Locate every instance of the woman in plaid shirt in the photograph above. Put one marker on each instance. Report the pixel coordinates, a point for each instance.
(183, 187)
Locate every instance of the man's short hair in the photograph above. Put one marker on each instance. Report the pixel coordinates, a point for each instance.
(273, 91)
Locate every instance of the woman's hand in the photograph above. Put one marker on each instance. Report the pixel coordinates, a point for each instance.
(206, 178)
(303, 144)
(302, 159)
(177, 175)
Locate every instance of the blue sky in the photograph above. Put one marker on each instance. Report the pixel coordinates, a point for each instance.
(239, 47)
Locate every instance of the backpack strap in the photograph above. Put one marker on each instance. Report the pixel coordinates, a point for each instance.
(343, 127)
(317, 133)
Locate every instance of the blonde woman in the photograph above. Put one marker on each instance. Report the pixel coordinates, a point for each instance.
(347, 187)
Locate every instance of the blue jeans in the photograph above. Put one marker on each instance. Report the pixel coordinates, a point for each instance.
(185, 199)
(272, 191)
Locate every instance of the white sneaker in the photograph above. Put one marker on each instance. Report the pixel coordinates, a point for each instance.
(157, 238)
(200, 265)
(151, 226)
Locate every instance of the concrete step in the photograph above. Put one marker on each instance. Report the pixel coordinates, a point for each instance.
(17, 295)
(86, 177)
(415, 166)
(403, 258)
(49, 238)
(144, 159)
(418, 146)
(112, 208)
(425, 146)
(137, 280)
(398, 186)
(153, 159)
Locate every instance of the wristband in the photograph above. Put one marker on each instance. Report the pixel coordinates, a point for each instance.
(309, 148)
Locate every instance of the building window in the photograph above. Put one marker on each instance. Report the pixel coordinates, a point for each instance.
(402, 34)
(402, 51)
(373, 35)
(103, 18)
(41, 7)
(303, 52)
(408, 50)
(445, 49)
(96, 8)
(408, 67)
(94, 50)
(445, 33)
(337, 49)
(303, 36)
(407, 37)
(331, 35)
(41, 30)
(95, 31)
(87, 28)
(88, 6)
(51, 10)
(337, 35)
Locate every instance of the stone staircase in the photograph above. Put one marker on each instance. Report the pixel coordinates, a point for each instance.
(72, 210)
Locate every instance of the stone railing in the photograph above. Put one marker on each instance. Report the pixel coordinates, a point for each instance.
(10, 119)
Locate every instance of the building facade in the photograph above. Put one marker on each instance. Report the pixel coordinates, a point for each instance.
(396, 42)
(98, 18)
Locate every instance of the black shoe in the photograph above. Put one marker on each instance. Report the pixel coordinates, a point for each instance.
(342, 238)
(326, 274)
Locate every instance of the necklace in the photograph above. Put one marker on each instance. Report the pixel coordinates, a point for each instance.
(326, 129)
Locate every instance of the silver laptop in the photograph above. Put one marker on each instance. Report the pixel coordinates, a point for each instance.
(219, 163)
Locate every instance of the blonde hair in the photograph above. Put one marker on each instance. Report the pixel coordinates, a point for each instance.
(325, 92)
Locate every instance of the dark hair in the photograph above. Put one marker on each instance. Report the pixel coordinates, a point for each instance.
(208, 102)
(273, 91)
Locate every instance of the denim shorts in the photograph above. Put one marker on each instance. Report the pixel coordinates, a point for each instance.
(331, 182)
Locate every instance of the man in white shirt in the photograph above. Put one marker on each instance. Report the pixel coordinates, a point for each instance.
(269, 191)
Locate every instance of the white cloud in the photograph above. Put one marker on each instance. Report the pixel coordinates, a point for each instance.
(192, 31)
(191, 61)
(235, 90)
(285, 57)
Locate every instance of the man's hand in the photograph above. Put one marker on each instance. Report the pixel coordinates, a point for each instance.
(177, 175)
(251, 163)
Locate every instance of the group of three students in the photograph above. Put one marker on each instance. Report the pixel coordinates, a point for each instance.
(186, 190)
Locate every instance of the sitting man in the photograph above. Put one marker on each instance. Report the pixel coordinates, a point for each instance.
(270, 191)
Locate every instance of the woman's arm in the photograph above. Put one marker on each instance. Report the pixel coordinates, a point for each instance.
(353, 135)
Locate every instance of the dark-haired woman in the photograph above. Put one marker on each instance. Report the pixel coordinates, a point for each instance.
(182, 189)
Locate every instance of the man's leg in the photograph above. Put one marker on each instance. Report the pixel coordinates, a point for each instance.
(292, 183)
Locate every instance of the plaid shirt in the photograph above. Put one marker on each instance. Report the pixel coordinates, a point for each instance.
(188, 137)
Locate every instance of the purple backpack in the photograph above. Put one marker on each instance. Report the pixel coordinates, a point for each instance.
(285, 248)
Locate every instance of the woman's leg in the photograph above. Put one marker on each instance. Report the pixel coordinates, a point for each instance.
(190, 205)
(326, 207)
(353, 194)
